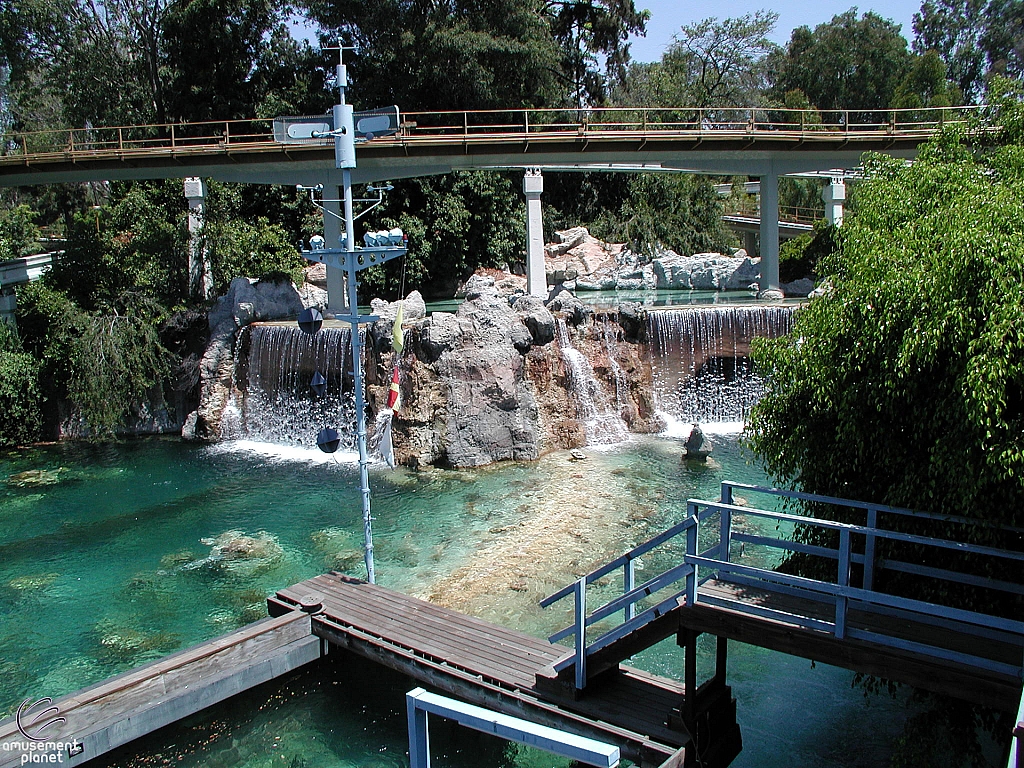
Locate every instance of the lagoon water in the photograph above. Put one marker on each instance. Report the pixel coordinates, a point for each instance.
(127, 557)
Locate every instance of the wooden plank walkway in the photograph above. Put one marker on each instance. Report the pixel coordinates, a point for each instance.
(498, 667)
(724, 609)
(123, 708)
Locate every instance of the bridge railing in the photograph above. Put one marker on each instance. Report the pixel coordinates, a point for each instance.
(697, 552)
(498, 125)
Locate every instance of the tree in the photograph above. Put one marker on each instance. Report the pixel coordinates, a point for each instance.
(456, 54)
(20, 414)
(710, 63)
(455, 224)
(588, 30)
(667, 210)
(953, 30)
(1003, 38)
(903, 384)
(847, 63)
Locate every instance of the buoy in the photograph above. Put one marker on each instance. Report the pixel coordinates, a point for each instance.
(310, 320)
(318, 384)
(328, 440)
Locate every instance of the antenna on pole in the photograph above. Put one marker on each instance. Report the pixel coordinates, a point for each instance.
(350, 258)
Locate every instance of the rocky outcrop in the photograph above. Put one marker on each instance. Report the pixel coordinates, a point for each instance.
(706, 271)
(246, 301)
(488, 382)
(581, 261)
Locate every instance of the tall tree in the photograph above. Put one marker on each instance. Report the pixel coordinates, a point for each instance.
(953, 29)
(456, 54)
(589, 30)
(846, 63)
(1003, 38)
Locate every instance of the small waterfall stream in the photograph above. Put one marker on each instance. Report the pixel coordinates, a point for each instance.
(701, 359)
(601, 420)
(278, 405)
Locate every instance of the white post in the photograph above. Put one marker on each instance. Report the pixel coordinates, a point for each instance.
(200, 278)
(834, 195)
(536, 279)
(769, 233)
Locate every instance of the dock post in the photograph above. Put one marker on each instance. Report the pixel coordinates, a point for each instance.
(581, 634)
(721, 659)
(536, 276)
(419, 737)
(769, 233)
(690, 682)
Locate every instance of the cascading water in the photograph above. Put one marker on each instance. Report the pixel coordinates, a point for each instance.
(601, 421)
(278, 405)
(701, 359)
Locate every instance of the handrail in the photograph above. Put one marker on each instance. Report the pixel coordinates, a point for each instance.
(496, 125)
(696, 567)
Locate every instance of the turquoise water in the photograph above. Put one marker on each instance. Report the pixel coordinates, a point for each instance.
(139, 549)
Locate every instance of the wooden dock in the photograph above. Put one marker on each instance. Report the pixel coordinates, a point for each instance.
(123, 708)
(510, 672)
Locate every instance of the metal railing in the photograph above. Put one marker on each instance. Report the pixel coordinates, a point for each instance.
(693, 568)
(439, 128)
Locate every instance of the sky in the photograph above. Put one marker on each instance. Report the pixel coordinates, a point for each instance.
(667, 16)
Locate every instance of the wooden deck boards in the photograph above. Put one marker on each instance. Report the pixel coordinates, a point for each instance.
(490, 664)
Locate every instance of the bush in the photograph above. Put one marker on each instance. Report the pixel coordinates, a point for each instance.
(20, 415)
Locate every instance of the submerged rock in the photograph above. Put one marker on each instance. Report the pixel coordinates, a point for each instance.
(35, 478)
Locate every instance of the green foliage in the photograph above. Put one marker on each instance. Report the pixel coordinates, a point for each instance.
(677, 211)
(138, 242)
(19, 235)
(20, 414)
(455, 224)
(114, 359)
(458, 55)
(104, 362)
(799, 257)
(240, 248)
(952, 29)
(710, 64)
(847, 63)
(903, 385)
(925, 85)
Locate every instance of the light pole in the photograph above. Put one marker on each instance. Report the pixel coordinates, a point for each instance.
(349, 258)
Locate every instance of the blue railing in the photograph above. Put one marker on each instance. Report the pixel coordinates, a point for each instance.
(694, 568)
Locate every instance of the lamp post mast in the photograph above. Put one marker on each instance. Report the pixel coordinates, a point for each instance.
(345, 159)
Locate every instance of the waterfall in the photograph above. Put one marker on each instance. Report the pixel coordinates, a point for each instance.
(601, 421)
(701, 359)
(278, 405)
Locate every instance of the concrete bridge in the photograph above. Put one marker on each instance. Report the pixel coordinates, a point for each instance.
(751, 141)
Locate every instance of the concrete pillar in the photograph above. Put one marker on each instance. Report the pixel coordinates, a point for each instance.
(769, 233)
(200, 276)
(536, 279)
(337, 293)
(834, 195)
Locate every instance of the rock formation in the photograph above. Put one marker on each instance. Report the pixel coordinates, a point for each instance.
(488, 382)
(580, 261)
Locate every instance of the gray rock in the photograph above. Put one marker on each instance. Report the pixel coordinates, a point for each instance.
(798, 288)
(633, 319)
(705, 272)
(245, 313)
(562, 302)
(697, 447)
(537, 318)
(439, 333)
(478, 286)
(771, 294)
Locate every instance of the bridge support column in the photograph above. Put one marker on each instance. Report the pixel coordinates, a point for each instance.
(200, 275)
(769, 233)
(834, 195)
(337, 293)
(536, 277)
